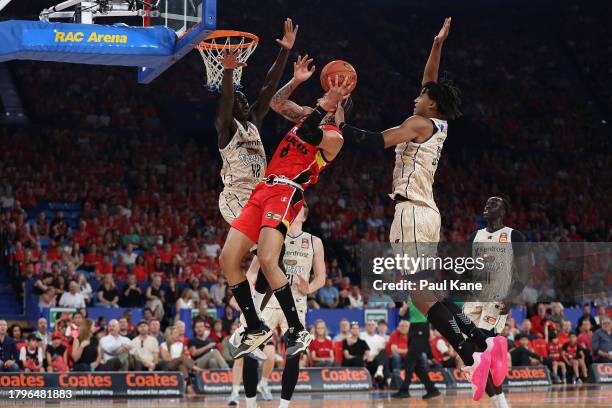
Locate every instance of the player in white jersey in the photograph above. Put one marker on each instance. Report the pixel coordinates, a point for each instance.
(503, 276)
(238, 123)
(242, 151)
(418, 145)
(304, 253)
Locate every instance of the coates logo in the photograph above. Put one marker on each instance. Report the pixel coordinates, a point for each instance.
(277, 376)
(343, 375)
(459, 375)
(217, 377)
(604, 369)
(22, 380)
(527, 373)
(85, 380)
(434, 375)
(152, 380)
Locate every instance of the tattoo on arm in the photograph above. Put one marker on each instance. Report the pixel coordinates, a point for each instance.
(281, 104)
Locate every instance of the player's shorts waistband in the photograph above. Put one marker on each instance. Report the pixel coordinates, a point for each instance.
(273, 180)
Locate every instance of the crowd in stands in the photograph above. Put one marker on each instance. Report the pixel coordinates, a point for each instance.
(76, 343)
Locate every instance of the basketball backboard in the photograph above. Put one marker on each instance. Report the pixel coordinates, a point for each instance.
(178, 15)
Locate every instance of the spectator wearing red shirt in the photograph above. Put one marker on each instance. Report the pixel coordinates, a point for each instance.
(140, 269)
(91, 258)
(554, 353)
(566, 329)
(217, 333)
(585, 339)
(441, 351)
(573, 356)
(322, 348)
(538, 321)
(397, 346)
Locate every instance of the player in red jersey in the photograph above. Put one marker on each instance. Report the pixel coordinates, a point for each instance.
(304, 151)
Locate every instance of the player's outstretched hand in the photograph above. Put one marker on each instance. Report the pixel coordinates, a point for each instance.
(443, 31)
(301, 71)
(230, 60)
(289, 35)
(337, 91)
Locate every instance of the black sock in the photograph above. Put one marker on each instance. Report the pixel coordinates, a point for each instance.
(443, 321)
(242, 293)
(250, 376)
(467, 327)
(291, 373)
(287, 303)
(261, 283)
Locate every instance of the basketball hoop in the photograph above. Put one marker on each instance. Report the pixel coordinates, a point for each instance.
(213, 48)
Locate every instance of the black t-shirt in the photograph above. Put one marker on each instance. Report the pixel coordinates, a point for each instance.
(357, 349)
(199, 343)
(90, 352)
(56, 352)
(133, 299)
(109, 294)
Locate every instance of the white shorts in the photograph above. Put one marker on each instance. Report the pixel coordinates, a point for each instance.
(486, 315)
(231, 204)
(415, 230)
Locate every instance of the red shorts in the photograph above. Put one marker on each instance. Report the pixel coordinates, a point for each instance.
(274, 206)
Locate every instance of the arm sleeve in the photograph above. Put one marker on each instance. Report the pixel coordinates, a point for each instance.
(309, 131)
(374, 140)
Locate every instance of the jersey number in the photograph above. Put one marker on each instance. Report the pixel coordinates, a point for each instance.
(256, 167)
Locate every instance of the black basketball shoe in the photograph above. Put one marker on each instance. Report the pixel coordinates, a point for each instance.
(251, 340)
(296, 342)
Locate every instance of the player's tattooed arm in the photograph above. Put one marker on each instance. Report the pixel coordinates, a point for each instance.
(433, 62)
(262, 104)
(224, 121)
(280, 102)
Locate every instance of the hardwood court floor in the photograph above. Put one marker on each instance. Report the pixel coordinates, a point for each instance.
(558, 396)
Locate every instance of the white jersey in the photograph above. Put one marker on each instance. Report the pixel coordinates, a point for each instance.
(416, 164)
(244, 160)
(498, 254)
(299, 255)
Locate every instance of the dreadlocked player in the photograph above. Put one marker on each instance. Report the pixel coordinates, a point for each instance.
(418, 145)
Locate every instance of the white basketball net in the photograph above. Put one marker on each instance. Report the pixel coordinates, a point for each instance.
(213, 49)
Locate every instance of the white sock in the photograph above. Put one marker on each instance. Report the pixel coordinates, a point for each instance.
(503, 403)
(264, 381)
(284, 403)
(251, 402)
(235, 389)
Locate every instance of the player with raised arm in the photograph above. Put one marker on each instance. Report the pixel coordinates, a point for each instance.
(238, 123)
(418, 145)
(240, 145)
(266, 218)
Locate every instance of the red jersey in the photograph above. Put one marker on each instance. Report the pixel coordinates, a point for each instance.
(322, 348)
(571, 351)
(540, 347)
(554, 351)
(297, 160)
(400, 340)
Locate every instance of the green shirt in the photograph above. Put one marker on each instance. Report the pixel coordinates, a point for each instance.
(414, 314)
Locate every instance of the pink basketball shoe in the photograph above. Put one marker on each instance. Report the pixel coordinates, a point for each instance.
(478, 374)
(497, 347)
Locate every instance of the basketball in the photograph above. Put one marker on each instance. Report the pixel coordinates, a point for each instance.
(340, 68)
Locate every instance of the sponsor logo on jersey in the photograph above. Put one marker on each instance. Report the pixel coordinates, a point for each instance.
(490, 319)
(503, 237)
(305, 243)
(284, 199)
(290, 262)
(273, 216)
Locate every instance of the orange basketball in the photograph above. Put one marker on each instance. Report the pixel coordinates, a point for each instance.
(340, 68)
